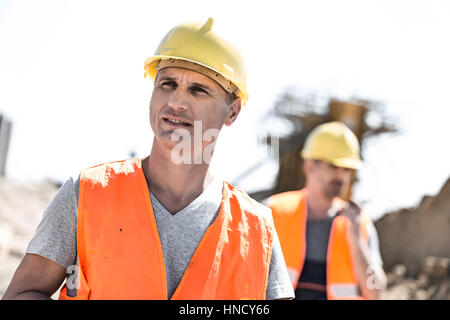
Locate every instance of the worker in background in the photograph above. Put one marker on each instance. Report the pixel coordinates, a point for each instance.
(330, 246)
(163, 227)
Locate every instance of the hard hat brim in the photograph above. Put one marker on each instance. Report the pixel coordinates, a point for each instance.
(348, 163)
(150, 70)
(354, 164)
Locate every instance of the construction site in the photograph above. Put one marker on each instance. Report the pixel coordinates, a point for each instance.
(413, 241)
(333, 115)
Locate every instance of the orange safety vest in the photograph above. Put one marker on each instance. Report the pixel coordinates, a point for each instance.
(289, 211)
(120, 254)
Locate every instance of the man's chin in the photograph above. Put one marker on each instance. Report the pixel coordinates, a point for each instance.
(334, 192)
(167, 139)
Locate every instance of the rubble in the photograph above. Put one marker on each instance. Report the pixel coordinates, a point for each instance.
(432, 283)
(414, 245)
(21, 208)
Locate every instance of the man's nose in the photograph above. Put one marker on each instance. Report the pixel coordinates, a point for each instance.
(178, 100)
(342, 173)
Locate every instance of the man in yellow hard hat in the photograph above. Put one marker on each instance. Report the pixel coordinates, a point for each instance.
(163, 227)
(330, 245)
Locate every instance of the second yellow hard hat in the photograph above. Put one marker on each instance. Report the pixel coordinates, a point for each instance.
(197, 46)
(334, 143)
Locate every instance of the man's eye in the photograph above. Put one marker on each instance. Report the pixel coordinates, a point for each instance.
(168, 84)
(199, 90)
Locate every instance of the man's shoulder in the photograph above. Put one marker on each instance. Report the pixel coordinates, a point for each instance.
(115, 164)
(99, 171)
(286, 203)
(287, 196)
(249, 202)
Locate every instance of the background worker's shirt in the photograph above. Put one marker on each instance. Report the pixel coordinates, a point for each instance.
(180, 234)
(314, 268)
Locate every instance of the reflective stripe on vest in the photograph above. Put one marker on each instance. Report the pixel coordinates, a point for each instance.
(120, 254)
(289, 210)
(344, 290)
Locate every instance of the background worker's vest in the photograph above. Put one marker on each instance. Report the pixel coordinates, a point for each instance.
(120, 254)
(289, 211)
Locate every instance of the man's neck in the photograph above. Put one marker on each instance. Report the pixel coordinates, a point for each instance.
(175, 186)
(318, 205)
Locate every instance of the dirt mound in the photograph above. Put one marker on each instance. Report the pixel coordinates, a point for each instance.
(432, 283)
(414, 244)
(21, 209)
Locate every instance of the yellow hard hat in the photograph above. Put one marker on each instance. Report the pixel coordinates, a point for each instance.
(194, 46)
(335, 143)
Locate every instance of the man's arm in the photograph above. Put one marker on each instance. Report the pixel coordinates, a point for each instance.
(279, 286)
(371, 276)
(36, 278)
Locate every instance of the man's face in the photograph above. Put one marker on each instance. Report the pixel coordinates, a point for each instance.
(182, 96)
(329, 179)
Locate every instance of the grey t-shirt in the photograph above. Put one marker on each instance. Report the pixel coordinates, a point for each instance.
(55, 237)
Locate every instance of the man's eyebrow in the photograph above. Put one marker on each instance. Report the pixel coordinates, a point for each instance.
(166, 78)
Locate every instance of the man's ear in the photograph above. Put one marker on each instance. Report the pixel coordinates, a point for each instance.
(235, 108)
(307, 166)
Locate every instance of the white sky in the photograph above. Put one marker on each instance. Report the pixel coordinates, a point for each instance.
(71, 80)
